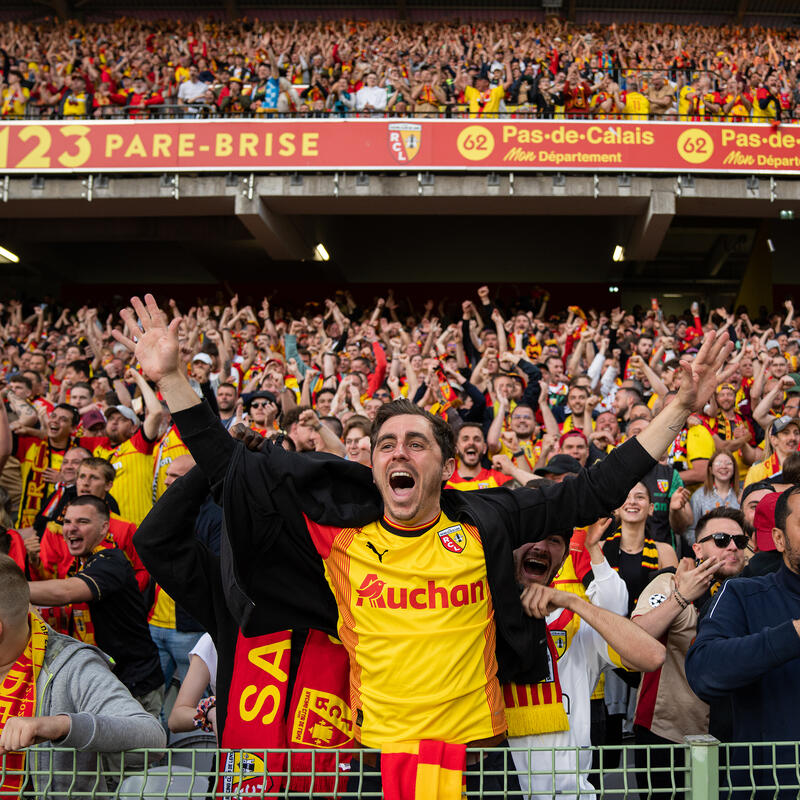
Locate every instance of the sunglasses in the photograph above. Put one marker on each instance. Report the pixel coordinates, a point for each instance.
(722, 540)
(260, 405)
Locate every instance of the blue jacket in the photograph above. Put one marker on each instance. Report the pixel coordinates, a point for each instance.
(747, 648)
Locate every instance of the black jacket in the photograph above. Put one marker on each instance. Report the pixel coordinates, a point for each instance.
(273, 577)
(184, 562)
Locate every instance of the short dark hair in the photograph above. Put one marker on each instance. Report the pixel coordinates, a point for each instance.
(334, 423)
(791, 469)
(76, 416)
(81, 365)
(721, 512)
(90, 500)
(782, 507)
(291, 415)
(228, 385)
(470, 424)
(18, 377)
(442, 432)
(103, 464)
(82, 385)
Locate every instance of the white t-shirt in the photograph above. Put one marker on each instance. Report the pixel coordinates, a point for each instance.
(191, 90)
(579, 668)
(205, 650)
(374, 95)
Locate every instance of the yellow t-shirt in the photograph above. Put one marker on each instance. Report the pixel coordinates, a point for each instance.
(168, 449)
(11, 105)
(762, 470)
(133, 463)
(684, 104)
(637, 106)
(162, 614)
(487, 102)
(416, 617)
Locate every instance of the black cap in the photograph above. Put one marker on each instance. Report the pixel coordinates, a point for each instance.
(262, 393)
(560, 465)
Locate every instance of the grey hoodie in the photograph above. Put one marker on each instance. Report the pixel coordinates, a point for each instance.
(76, 680)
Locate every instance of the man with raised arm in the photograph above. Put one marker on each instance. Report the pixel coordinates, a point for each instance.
(401, 571)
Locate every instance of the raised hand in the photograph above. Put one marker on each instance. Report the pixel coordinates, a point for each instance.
(693, 582)
(698, 378)
(156, 349)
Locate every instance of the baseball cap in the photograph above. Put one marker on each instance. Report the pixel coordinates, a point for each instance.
(560, 465)
(772, 343)
(94, 416)
(204, 357)
(782, 423)
(764, 521)
(757, 486)
(125, 411)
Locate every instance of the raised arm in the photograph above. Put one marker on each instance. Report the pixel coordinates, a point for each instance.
(698, 379)
(637, 649)
(153, 411)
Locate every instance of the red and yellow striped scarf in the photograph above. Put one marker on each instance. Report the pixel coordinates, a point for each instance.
(82, 627)
(18, 699)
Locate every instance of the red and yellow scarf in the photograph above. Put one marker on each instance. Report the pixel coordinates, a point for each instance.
(318, 718)
(82, 627)
(18, 699)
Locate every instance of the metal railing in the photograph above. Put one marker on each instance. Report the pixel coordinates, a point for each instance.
(206, 111)
(699, 769)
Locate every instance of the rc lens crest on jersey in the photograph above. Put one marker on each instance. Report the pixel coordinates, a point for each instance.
(559, 642)
(405, 139)
(453, 538)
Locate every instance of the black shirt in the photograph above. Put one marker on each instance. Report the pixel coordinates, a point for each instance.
(119, 617)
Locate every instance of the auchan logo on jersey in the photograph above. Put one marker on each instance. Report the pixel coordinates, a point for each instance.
(375, 592)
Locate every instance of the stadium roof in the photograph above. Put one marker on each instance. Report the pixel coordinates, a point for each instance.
(711, 11)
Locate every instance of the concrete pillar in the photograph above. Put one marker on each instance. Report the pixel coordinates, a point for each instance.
(276, 234)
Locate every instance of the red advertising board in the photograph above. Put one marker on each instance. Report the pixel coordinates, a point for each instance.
(397, 144)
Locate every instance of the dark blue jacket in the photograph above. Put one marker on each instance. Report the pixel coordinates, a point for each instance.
(747, 648)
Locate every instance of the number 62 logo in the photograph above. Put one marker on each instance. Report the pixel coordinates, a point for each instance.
(695, 146)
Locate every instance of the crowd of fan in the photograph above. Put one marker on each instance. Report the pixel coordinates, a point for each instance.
(317, 379)
(554, 69)
(533, 396)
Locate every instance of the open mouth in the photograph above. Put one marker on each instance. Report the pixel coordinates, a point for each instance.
(535, 566)
(401, 481)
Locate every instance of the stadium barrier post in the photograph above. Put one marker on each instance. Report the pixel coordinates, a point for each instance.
(703, 767)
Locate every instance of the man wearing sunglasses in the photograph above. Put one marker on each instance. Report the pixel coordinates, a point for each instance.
(748, 650)
(669, 610)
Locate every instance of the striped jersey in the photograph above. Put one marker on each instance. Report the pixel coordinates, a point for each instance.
(416, 617)
(485, 479)
(169, 447)
(133, 463)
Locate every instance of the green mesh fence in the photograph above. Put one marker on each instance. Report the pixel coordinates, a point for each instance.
(699, 769)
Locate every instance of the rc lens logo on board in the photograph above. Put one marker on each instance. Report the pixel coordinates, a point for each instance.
(405, 139)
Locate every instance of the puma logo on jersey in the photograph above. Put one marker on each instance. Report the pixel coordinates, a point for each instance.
(374, 550)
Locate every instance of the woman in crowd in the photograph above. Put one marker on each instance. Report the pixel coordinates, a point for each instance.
(718, 490)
